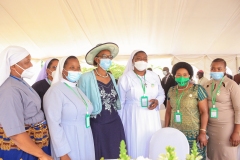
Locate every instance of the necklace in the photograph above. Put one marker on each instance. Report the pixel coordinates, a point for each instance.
(100, 74)
(182, 88)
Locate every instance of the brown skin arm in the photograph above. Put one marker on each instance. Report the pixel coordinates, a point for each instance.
(153, 104)
(168, 114)
(235, 137)
(203, 109)
(25, 143)
(65, 157)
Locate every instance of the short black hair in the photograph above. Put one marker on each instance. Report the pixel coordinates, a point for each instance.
(70, 57)
(165, 68)
(50, 63)
(220, 60)
(184, 65)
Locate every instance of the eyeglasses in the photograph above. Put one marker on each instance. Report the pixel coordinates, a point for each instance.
(106, 57)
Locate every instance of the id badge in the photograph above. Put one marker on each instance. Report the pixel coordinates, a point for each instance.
(178, 117)
(213, 112)
(144, 101)
(87, 120)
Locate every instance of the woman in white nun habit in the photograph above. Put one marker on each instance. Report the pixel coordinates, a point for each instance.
(23, 130)
(68, 110)
(141, 95)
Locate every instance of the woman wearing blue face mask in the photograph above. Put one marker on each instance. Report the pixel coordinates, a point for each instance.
(100, 87)
(68, 110)
(224, 113)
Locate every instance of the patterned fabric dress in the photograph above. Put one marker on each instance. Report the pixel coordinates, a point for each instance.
(107, 126)
(190, 113)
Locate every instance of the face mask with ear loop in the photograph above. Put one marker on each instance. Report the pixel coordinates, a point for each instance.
(73, 76)
(52, 73)
(141, 65)
(105, 64)
(27, 73)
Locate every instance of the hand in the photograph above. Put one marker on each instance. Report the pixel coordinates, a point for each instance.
(202, 139)
(234, 139)
(153, 104)
(45, 157)
(65, 157)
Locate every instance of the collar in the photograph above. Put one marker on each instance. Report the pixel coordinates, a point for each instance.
(20, 79)
(168, 74)
(71, 84)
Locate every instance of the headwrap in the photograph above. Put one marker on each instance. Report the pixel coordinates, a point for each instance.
(58, 75)
(129, 63)
(8, 57)
(43, 73)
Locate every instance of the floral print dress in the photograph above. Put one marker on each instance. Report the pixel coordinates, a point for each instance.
(107, 126)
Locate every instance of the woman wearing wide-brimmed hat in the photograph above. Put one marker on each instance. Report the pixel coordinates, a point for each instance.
(100, 87)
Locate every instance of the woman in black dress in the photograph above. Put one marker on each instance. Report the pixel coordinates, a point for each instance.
(44, 78)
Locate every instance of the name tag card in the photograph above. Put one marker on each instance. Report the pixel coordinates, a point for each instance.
(213, 112)
(144, 101)
(178, 117)
(87, 120)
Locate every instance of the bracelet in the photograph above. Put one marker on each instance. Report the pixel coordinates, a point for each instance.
(203, 130)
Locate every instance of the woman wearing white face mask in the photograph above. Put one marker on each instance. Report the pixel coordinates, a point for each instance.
(45, 78)
(23, 130)
(141, 95)
(224, 113)
(67, 110)
(100, 87)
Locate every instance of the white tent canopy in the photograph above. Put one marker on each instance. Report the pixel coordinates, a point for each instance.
(188, 30)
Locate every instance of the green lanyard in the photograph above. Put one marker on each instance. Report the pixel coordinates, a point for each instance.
(143, 85)
(217, 90)
(78, 96)
(179, 99)
(49, 82)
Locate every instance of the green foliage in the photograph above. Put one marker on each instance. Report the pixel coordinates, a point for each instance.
(194, 153)
(85, 69)
(116, 70)
(170, 155)
(123, 152)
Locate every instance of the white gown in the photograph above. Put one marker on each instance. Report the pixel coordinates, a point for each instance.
(139, 123)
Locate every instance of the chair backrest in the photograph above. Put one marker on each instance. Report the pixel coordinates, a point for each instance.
(168, 137)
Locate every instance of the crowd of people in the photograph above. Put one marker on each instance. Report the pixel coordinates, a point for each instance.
(67, 115)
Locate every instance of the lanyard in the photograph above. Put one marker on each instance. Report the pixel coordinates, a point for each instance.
(49, 82)
(217, 90)
(21, 81)
(179, 99)
(143, 85)
(83, 100)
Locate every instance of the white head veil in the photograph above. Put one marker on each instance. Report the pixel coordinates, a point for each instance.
(129, 63)
(10, 56)
(58, 75)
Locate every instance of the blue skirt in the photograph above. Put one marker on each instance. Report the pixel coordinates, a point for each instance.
(10, 151)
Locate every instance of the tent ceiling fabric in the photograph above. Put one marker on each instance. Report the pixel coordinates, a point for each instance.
(50, 28)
